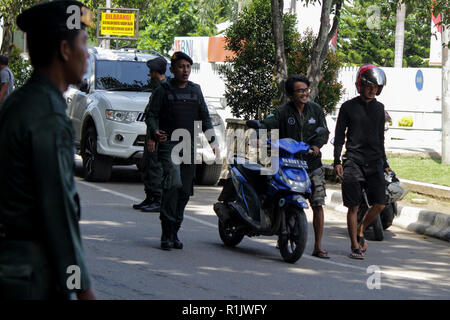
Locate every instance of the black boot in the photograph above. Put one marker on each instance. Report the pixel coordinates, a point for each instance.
(154, 206)
(146, 202)
(177, 244)
(166, 236)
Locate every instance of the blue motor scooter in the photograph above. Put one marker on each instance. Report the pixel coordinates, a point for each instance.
(257, 201)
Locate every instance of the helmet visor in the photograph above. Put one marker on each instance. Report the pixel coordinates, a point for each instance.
(374, 76)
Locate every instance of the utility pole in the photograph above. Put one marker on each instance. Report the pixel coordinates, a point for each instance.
(106, 43)
(399, 34)
(445, 95)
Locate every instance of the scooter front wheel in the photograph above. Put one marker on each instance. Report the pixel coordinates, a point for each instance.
(293, 243)
(229, 234)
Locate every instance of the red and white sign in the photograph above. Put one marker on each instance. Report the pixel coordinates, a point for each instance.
(436, 42)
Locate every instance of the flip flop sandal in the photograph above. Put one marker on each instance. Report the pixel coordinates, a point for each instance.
(363, 243)
(357, 254)
(321, 254)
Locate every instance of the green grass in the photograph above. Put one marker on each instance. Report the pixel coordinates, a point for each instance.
(421, 168)
(424, 168)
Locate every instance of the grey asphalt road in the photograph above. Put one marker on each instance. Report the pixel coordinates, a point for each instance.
(125, 262)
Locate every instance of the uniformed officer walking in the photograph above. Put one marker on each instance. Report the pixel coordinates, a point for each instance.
(298, 119)
(176, 104)
(151, 168)
(41, 255)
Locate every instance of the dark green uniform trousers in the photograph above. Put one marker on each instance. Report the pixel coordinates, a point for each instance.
(178, 185)
(152, 174)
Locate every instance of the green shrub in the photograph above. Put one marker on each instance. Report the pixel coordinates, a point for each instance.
(19, 66)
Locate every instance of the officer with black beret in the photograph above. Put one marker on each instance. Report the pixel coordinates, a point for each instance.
(151, 168)
(175, 105)
(41, 254)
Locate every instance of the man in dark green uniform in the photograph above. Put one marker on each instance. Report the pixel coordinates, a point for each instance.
(298, 119)
(176, 104)
(151, 168)
(41, 255)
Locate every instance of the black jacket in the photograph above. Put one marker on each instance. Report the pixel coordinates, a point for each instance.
(362, 124)
(291, 124)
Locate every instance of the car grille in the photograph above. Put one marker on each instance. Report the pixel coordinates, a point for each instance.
(140, 141)
(140, 117)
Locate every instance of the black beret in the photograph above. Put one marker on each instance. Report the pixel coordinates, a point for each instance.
(179, 55)
(158, 64)
(55, 15)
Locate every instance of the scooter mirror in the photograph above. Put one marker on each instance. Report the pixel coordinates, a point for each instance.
(318, 131)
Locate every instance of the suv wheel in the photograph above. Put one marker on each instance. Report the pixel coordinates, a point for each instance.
(97, 168)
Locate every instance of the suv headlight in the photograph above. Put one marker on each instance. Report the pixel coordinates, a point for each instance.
(122, 116)
(215, 119)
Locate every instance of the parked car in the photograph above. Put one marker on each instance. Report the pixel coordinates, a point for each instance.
(107, 113)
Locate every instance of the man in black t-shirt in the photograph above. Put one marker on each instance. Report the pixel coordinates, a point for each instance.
(361, 123)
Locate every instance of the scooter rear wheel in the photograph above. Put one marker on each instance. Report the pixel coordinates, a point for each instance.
(378, 229)
(293, 244)
(376, 225)
(229, 234)
(387, 215)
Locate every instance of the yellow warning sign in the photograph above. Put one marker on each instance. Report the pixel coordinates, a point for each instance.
(117, 24)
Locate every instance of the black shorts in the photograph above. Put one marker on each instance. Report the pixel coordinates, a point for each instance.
(357, 177)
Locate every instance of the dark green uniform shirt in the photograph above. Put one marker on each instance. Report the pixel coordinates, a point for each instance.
(300, 127)
(159, 103)
(38, 198)
(152, 87)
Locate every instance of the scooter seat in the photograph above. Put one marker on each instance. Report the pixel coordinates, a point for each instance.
(252, 168)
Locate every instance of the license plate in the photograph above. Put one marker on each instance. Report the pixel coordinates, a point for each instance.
(294, 163)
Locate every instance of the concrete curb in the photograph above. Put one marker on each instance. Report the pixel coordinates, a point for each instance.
(430, 223)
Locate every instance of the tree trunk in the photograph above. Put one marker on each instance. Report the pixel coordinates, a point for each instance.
(399, 35)
(321, 46)
(445, 95)
(280, 56)
(7, 39)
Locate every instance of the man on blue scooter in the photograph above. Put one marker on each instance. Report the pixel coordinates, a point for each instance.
(298, 119)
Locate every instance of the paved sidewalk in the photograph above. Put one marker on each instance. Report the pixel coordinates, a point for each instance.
(430, 223)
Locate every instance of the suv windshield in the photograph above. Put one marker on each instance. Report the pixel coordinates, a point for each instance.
(122, 75)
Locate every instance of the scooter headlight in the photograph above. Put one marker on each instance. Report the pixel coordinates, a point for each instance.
(297, 186)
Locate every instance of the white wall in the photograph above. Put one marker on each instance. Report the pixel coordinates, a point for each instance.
(401, 97)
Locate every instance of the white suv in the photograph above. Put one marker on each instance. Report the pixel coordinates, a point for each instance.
(107, 114)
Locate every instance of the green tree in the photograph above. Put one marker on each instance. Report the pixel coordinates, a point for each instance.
(329, 89)
(367, 33)
(251, 89)
(9, 10)
(166, 19)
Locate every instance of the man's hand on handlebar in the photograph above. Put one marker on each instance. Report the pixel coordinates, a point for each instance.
(315, 150)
